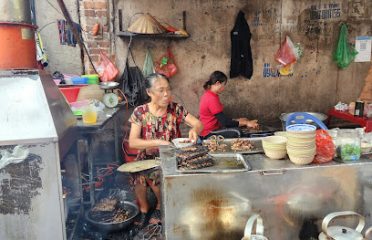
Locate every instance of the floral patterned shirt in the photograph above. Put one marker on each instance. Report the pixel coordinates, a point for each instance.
(166, 127)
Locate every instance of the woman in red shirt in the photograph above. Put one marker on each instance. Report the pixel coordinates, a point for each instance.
(211, 108)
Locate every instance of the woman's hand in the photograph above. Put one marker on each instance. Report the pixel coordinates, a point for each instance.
(193, 135)
(252, 124)
(196, 127)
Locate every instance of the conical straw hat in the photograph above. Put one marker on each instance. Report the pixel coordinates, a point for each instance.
(146, 24)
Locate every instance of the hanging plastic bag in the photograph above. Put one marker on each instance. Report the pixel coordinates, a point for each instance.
(148, 65)
(286, 70)
(344, 53)
(166, 65)
(287, 53)
(325, 148)
(107, 70)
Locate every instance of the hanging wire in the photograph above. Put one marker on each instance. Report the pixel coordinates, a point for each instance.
(46, 25)
(54, 7)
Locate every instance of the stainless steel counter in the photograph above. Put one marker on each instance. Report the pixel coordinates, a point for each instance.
(217, 205)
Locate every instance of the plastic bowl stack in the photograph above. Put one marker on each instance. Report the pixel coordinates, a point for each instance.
(301, 146)
(275, 147)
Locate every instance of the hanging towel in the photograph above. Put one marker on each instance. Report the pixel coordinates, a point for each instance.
(41, 55)
(66, 36)
(241, 53)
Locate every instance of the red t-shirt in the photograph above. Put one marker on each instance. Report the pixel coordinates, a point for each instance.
(210, 105)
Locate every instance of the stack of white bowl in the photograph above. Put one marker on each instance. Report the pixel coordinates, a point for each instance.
(275, 147)
(301, 147)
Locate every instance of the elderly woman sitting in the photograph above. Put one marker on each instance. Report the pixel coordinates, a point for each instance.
(153, 124)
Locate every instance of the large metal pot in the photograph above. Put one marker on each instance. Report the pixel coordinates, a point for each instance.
(112, 227)
(322, 117)
(16, 11)
(341, 232)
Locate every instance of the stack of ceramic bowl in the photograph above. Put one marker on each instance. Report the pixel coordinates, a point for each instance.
(275, 147)
(301, 146)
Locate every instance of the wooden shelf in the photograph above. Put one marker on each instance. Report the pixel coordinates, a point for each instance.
(126, 34)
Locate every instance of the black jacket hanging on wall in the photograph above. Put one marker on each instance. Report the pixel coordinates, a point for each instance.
(241, 53)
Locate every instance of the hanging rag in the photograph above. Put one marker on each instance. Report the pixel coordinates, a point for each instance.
(344, 53)
(41, 55)
(241, 53)
(66, 36)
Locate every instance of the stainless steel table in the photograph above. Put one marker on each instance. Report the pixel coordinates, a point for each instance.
(217, 205)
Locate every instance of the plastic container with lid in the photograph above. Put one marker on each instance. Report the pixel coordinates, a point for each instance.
(91, 78)
(79, 80)
(89, 115)
(348, 145)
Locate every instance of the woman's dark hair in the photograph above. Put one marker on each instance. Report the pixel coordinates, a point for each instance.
(150, 79)
(216, 76)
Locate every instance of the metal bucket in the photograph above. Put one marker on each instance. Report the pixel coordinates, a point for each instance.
(15, 11)
(322, 117)
(17, 41)
(17, 46)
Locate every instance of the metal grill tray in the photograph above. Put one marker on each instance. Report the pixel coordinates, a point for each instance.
(224, 163)
(256, 142)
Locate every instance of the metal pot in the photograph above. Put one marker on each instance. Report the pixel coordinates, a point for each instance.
(368, 233)
(340, 232)
(255, 218)
(111, 227)
(284, 116)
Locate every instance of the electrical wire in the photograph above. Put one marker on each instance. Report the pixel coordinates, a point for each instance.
(45, 25)
(54, 7)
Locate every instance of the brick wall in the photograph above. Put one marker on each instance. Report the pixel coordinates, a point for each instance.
(91, 13)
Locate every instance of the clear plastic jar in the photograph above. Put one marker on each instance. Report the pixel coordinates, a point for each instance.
(348, 142)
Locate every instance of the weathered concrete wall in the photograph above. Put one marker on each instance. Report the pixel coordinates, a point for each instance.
(317, 83)
(61, 58)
